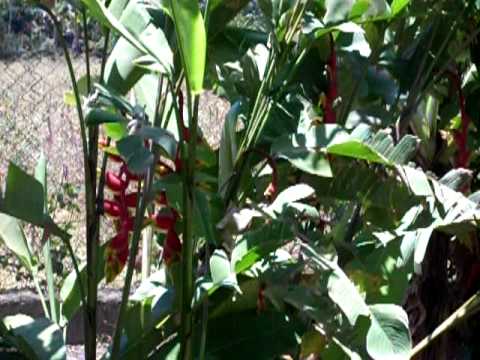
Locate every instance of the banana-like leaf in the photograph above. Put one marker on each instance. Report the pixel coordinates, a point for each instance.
(192, 40)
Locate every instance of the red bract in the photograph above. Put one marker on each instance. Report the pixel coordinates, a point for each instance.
(165, 220)
(329, 112)
(161, 199)
(461, 135)
(131, 200)
(127, 224)
(114, 182)
(112, 208)
(172, 248)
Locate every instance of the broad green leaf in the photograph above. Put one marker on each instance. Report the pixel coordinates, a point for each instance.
(191, 37)
(255, 245)
(221, 270)
(389, 335)
(144, 43)
(228, 147)
(233, 337)
(161, 137)
(416, 180)
(24, 196)
(343, 292)
(37, 339)
(96, 116)
(289, 196)
(398, 5)
(341, 289)
(357, 150)
(12, 235)
(309, 160)
(133, 151)
(457, 179)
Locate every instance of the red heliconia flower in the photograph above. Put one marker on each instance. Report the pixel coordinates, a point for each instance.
(116, 255)
(165, 220)
(131, 200)
(161, 199)
(127, 224)
(112, 208)
(114, 182)
(172, 248)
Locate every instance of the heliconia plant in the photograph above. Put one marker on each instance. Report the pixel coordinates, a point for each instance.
(306, 233)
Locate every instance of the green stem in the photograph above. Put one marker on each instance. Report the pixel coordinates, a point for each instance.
(88, 191)
(189, 159)
(87, 48)
(139, 215)
(40, 294)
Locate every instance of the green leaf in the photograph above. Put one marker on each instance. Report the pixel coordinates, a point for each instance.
(191, 38)
(221, 270)
(309, 160)
(151, 41)
(389, 335)
(38, 339)
(13, 237)
(256, 245)
(289, 196)
(137, 157)
(357, 149)
(24, 196)
(96, 116)
(161, 137)
(398, 5)
(227, 154)
(457, 179)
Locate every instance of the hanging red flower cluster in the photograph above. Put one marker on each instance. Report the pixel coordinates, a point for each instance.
(164, 220)
(120, 208)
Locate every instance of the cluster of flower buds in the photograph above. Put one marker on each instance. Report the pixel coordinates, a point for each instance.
(164, 220)
(121, 208)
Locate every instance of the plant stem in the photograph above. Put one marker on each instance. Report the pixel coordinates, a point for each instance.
(87, 49)
(189, 160)
(139, 214)
(88, 190)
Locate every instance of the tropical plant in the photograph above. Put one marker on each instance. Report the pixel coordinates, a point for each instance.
(306, 231)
